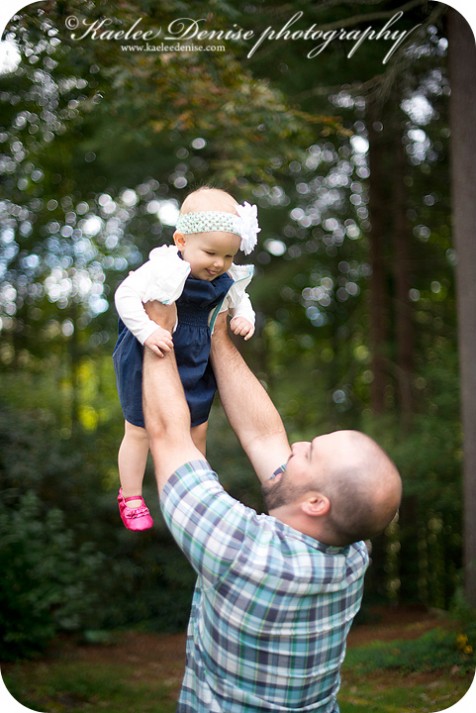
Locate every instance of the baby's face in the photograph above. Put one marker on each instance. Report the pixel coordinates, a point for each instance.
(209, 254)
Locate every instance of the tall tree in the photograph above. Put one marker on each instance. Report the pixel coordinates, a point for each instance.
(404, 357)
(462, 64)
(378, 212)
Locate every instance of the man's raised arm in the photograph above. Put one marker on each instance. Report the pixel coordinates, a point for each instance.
(250, 411)
(167, 416)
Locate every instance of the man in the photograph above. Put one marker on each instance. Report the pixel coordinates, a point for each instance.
(276, 594)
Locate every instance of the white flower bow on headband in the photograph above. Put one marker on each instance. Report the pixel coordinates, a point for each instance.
(245, 224)
(249, 227)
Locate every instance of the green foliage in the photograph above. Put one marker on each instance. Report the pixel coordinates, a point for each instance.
(465, 617)
(82, 570)
(98, 142)
(46, 579)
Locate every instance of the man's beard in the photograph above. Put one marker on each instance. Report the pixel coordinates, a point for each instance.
(279, 491)
(276, 493)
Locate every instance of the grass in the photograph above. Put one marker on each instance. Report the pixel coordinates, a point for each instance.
(436, 649)
(426, 674)
(67, 687)
(399, 694)
(106, 688)
(423, 675)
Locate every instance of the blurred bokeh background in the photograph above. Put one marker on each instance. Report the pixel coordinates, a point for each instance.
(346, 154)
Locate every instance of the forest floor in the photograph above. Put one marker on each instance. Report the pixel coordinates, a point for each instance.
(141, 672)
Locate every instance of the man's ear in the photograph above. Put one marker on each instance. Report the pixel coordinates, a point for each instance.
(316, 504)
(179, 240)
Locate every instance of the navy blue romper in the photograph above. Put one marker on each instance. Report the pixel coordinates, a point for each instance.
(192, 352)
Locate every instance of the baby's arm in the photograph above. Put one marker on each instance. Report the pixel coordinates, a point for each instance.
(160, 278)
(160, 341)
(238, 304)
(129, 298)
(243, 318)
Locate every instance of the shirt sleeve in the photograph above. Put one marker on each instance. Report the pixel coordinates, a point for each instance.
(208, 524)
(161, 278)
(237, 301)
(244, 309)
(129, 297)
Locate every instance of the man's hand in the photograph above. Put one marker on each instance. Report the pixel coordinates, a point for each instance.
(242, 328)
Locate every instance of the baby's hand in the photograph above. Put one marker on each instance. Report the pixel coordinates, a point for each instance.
(160, 341)
(242, 328)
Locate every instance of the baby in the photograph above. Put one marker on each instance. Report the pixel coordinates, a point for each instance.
(199, 275)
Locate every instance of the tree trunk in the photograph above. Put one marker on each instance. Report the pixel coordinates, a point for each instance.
(462, 66)
(377, 300)
(401, 272)
(75, 362)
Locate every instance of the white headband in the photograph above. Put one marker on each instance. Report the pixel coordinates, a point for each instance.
(245, 224)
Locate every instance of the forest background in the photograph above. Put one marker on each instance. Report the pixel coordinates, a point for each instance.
(346, 153)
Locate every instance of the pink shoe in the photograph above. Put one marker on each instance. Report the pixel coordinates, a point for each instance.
(136, 519)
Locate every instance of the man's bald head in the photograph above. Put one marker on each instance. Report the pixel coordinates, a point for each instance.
(340, 487)
(363, 486)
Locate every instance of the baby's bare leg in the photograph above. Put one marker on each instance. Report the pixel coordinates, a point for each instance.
(132, 461)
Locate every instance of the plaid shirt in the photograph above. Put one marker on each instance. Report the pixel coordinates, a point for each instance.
(271, 609)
